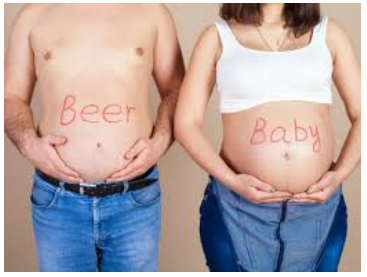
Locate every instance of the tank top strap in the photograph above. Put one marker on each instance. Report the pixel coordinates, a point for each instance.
(226, 35)
(319, 31)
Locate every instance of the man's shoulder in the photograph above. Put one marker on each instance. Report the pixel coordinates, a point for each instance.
(30, 13)
(155, 7)
(156, 11)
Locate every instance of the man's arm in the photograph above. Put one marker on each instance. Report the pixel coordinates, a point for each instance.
(168, 73)
(19, 82)
(20, 78)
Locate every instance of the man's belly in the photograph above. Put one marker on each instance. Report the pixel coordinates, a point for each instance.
(98, 132)
(287, 144)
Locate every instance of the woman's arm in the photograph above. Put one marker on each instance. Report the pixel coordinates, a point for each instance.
(193, 99)
(347, 78)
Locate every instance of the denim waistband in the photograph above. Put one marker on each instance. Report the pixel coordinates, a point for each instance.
(276, 236)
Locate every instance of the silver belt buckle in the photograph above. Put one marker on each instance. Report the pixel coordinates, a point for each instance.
(85, 185)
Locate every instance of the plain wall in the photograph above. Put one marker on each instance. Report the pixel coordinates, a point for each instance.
(183, 181)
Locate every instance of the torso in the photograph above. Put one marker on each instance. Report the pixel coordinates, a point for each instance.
(93, 65)
(284, 142)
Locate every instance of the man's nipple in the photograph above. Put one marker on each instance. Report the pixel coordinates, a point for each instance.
(47, 56)
(139, 51)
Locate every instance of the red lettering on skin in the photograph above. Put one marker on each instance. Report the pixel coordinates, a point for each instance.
(279, 133)
(259, 131)
(69, 102)
(300, 133)
(89, 111)
(317, 143)
(128, 111)
(111, 111)
(281, 130)
(286, 140)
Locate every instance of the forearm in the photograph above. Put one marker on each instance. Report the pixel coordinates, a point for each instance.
(18, 122)
(350, 154)
(202, 151)
(163, 129)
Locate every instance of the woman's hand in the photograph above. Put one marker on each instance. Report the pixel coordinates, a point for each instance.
(257, 191)
(321, 191)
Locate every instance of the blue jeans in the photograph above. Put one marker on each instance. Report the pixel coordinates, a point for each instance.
(221, 254)
(119, 232)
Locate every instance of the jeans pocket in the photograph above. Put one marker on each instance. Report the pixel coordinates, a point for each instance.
(44, 196)
(146, 196)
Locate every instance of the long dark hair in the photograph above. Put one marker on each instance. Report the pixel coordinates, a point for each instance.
(300, 18)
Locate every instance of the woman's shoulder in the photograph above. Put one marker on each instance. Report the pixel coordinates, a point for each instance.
(336, 37)
(209, 34)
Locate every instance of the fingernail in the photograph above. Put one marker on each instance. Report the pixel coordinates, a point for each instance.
(310, 190)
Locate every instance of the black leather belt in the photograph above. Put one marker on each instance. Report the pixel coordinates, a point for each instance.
(102, 189)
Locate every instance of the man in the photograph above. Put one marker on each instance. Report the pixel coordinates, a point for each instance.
(96, 194)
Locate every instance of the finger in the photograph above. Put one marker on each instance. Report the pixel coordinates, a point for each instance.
(263, 196)
(126, 177)
(137, 148)
(136, 166)
(275, 200)
(62, 167)
(319, 186)
(55, 140)
(262, 186)
(300, 195)
(278, 194)
(318, 197)
(63, 177)
(133, 166)
(302, 201)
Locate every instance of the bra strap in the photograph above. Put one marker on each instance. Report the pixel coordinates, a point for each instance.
(225, 34)
(320, 30)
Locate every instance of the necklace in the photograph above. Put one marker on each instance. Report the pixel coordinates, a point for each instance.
(279, 43)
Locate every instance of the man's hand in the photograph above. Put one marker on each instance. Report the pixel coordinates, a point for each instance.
(321, 191)
(257, 191)
(41, 152)
(142, 156)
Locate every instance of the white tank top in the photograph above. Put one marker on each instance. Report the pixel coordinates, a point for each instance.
(247, 77)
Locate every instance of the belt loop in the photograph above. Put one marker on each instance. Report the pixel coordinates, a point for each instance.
(61, 184)
(126, 187)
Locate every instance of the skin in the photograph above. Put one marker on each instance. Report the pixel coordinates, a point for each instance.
(228, 167)
(93, 64)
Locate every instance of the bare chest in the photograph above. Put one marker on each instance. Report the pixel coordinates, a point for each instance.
(75, 40)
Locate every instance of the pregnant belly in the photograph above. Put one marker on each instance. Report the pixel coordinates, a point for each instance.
(287, 144)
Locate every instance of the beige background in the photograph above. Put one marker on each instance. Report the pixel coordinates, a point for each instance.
(182, 181)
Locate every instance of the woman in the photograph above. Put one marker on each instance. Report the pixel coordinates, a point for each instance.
(274, 200)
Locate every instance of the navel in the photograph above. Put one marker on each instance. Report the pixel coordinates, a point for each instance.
(286, 156)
